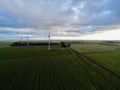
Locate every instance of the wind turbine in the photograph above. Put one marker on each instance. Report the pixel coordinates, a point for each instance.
(27, 41)
(49, 41)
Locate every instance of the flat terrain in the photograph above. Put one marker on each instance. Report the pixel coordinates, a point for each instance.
(104, 56)
(5, 43)
(89, 48)
(110, 60)
(36, 68)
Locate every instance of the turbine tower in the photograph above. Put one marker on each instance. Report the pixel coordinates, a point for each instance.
(49, 41)
(27, 41)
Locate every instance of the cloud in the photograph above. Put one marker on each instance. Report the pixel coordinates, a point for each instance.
(65, 17)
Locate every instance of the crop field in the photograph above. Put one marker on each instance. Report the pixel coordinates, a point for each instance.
(104, 56)
(36, 68)
(5, 43)
(89, 48)
(110, 60)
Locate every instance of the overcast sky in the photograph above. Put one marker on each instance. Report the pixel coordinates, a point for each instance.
(66, 19)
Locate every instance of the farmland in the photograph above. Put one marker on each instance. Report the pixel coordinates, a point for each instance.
(103, 56)
(110, 60)
(5, 43)
(89, 48)
(36, 68)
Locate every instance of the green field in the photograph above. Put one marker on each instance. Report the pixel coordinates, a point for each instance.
(110, 60)
(5, 43)
(36, 68)
(106, 56)
(88, 48)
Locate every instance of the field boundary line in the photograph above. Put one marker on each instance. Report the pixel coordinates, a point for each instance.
(105, 73)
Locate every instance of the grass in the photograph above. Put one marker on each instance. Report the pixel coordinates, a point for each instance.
(36, 68)
(110, 60)
(5, 43)
(106, 55)
(88, 48)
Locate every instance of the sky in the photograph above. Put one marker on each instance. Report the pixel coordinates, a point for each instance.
(65, 19)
